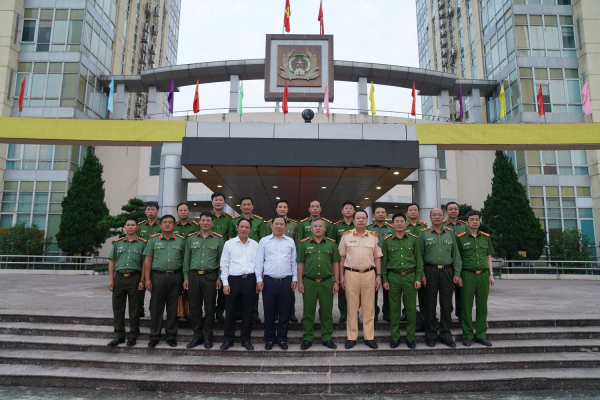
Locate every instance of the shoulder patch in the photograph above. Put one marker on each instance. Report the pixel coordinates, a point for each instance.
(461, 222)
(228, 214)
(193, 233)
(390, 225)
(413, 235)
(424, 223)
(293, 220)
(347, 232)
(335, 223)
(461, 234)
(194, 222)
(271, 220)
(305, 239)
(373, 233)
(177, 234)
(142, 222)
(424, 229)
(156, 234)
(118, 240)
(326, 220)
(218, 234)
(330, 239)
(304, 220)
(143, 240)
(237, 216)
(388, 236)
(485, 234)
(449, 229)
(258, 216)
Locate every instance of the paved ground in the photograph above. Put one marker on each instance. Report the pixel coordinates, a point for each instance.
(37, 393)
(87, 295)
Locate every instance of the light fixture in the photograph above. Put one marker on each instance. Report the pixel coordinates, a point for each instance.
(396, 173)
(357, 206)
(277, 198)
(396, 206)
(378, 187)
(323, 187)
(195, 204)
(237, 205)
(274, 187)
(231, 197)
(366, 198)
(219, 185)
(204, 170)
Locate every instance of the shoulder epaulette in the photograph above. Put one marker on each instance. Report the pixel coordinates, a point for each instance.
(461, 234)
(424, 223)
(305, 239)
(228, 214)
(156, 234)
(258, 216)
(142, 222)
(347, 232)
(413, 235)
(118, 240)
(370, 224)
(218, 234)
(330, 239)
(177, 223)
(373, 233)
(293, 220)
(424, 229)
(390, 225)
(237, 216)
(335, 223)
(143, 240)
(388, 236)
(326, 220)
(270, 220)
(485, 234)
(449, 229)
(194, 222)
(177, 234)
(305, 219)
(460, 221)
(193, 233)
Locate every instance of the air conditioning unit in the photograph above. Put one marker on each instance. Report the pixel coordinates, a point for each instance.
(144, 48)
(444, 52)
(147, 8)
(139, 101)
(441, 4)
(154, 30)
(442, 32)
(142, 96)
(444, 42)
(153, 49)
(453, 52)
(143, 58)
(146, 27)
(141, 68)
(156, 12)
(441, 13)
(450, 11)
(444, 61)
(145, 37)
(137, 113)
(442, 22)
(152, 60)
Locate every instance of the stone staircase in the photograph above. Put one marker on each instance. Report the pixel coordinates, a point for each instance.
(526, 355)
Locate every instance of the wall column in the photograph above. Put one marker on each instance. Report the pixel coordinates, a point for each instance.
(363, 96)
(234, 87)
(426, 191)
(369, 211)
(475, 115)
(120, 102)
(172, 190)
(444, 104)
(153, 94)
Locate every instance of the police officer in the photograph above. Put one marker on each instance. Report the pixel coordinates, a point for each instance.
(185, 226)
(401, 268)
(382, 229)
(163, 268)
(414, 226)
(315, 209)
(150, 226)
(125, 282)
(318, 280)
(477, 276)
(343, 225)
(202, 279)
(221, 225)
(452, 209)
(442, 271)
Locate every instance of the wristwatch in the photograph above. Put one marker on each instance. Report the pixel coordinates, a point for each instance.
(378, 275)
(336, 281)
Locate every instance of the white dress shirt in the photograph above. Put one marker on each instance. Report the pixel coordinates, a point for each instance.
(276, 258)
(237, 258)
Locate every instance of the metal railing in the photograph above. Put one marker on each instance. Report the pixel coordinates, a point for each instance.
(550, 267)
(56, 263)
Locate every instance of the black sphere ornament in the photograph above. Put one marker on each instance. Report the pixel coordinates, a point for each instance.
(308, 115)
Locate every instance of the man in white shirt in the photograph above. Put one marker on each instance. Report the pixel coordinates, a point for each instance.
(239, 283)
(277, 277)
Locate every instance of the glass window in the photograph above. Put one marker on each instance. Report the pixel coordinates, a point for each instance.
(522, 37)
(568, 37)
(573, 91)
(583, 191)
(60, 32)
(567, 191)
(53, 86)
(28, 34)
(557, 91)
(580, 157)
(69, 86)
(551, 190)
(527, 90)
(552, 39)
(533, 157)
(75, 29)
(155, 154)
(586, 213)
(38, 85)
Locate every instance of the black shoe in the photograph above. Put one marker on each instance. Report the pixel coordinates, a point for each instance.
(448, 342)
(269, 346)
(305, 345)
(371, 344)
(195, 342)
(403, 318)
(394, 344)
(484, 342)
(293, 318)
(189, 319)
(248, 346)
(227, 344)
(152, 343)
(343, 319)
(219, 317)
(172, 342)
(330, 344)
(115, 342)
(131, 341)
(410, 344)
(386, 317)
(350, 344)
(256, 319)
(283, 345)
(467, 341)
(430, 342)
(208, 344)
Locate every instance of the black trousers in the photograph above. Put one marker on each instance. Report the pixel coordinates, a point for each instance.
(277, 294)
(241, 297)
(386, 303)
(457, 302)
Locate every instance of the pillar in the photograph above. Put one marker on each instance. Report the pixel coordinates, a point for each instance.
(426, 191)
(153, 94)
(363, 96)
(172, 190)
(475, 115)
(234, 87)
(444, 104)
(369, 211)
(120, 102)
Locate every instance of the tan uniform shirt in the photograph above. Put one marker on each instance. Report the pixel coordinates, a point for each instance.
(360, 250)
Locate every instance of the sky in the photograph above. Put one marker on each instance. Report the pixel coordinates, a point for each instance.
(375, 31)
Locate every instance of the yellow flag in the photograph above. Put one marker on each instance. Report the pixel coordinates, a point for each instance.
(372, 98)
(502, 103)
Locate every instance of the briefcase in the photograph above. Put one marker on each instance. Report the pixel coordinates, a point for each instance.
(183, 306)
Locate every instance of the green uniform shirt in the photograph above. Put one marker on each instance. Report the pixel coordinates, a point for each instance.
(415, 229)
(381, 231)
(258, 227)
(304, 229)
(318, 257)
(401, 254)
(339, 228)
(185, 230)
(474, 250)
(128, 256)
(440, 249)
(167, 255)
(222, 224)
(291, 228)
(460, 227)
(202, 253)
(145, 230)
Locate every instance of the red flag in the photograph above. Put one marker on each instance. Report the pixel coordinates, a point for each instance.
(320, 19)
(413, 111)
(286, 16)
(22, 94)
(284, 106)
(197, 99)
(540, 99)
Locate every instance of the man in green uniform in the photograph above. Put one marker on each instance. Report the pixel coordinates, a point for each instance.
(382, 229)
(442, 270)
(221, 225)
(401, 269)
(257, 232)
(163, 269)
(458, 227)
(147, 228)
(291, 230)
(185, 226)
(304, 230)
(415, 226)
(318, 280)
(343, 225)
(124, 281)
(201, 278)
(477, 276)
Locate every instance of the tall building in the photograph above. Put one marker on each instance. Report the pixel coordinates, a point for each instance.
(524, 45)
(60, 48)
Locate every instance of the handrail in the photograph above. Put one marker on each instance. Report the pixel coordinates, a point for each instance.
(546, 267)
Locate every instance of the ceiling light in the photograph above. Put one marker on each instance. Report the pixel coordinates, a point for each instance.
(378, 187)
(323, 187)
(237, 205)
(366, 198)
(274, 187)
(396, 173)
(357, 206)
(204, 170)
(219, 185)
(396, 206)
(231, 197)
(277, 198)
(195, 204)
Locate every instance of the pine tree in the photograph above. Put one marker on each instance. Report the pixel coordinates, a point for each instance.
(507, 211)
(80, 231)
(134, 208)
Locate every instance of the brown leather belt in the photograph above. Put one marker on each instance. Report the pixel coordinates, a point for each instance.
(361, 271)
(318, 280)
(410, 271)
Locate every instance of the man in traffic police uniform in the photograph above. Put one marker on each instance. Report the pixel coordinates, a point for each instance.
(343, 225)
(382, 229)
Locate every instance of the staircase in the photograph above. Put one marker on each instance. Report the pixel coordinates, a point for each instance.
(526, 355)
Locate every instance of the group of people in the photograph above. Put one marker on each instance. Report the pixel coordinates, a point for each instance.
(224, 262)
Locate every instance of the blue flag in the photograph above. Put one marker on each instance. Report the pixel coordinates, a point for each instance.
(111, 86)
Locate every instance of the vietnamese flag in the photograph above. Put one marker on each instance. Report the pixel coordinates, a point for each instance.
(320, 19)
(286, 16)
(197, 99)
(284, 105)
(413, 110)
(22, 94)
(540, 99)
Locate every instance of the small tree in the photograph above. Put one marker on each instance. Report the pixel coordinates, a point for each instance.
(83, 208)
(571, 245)
(23, 240)
(507, 212)
(134, 208)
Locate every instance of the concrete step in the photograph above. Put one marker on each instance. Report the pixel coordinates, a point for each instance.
(302, 383)
(312, 364)
(20, 342)
(295, 335)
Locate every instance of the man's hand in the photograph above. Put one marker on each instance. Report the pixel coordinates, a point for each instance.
(294, 284)
(219, 284)
(424, 281)
(186, 285)
(111, 285)
(417, 285)
(386, 286)
(226, 290)
(149, 286)
(377, 283)
(456, 280)
(492, 280)
(301, 287)
(259, 287)
(343, 282)
(141, 286)
(336, 288)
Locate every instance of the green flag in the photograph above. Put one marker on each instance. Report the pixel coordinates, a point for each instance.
(240, 98)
